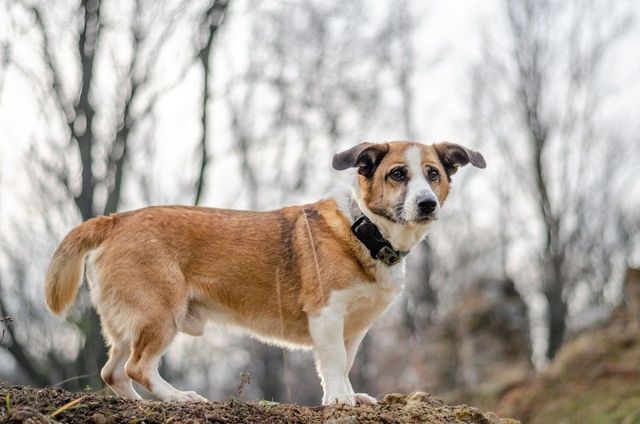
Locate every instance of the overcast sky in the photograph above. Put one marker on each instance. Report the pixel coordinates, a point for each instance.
(447, 42)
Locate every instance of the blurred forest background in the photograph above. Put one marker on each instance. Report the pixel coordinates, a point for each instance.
(111, 105)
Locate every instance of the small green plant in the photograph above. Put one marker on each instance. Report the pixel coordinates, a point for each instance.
(7, 402)
(267, 405)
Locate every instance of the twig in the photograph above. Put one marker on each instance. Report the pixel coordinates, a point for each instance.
(77, 377)
(66, 406)
(245, 379)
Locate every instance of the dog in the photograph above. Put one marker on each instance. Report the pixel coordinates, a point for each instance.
(314, 276)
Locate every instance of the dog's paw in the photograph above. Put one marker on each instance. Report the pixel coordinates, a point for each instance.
(351, 399)
(365, 399)
(342, 399)
(190, 397)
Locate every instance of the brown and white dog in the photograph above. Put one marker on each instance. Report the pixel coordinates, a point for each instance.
(297, 277)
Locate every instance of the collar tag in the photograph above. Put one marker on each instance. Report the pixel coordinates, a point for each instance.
(388, 255)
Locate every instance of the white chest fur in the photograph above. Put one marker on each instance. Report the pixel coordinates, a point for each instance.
(363, 302)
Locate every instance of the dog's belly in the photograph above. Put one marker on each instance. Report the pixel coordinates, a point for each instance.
(281, 322)
(362, 303)
(286, 331)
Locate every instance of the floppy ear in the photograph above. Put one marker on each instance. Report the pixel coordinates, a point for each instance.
(365, 156)
(454, 156)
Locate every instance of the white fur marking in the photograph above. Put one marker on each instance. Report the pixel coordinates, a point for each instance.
(326, 329)
(340, 326)
(418, 186)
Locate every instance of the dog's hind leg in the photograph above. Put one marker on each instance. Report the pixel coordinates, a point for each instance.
(113, 373)
(142, 366)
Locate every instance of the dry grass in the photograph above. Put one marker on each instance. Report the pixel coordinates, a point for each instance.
(594, 379)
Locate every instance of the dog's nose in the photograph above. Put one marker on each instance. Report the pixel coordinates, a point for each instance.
(427, 204)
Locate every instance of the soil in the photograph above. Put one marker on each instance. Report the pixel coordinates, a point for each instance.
(595, 378)
(49, 405)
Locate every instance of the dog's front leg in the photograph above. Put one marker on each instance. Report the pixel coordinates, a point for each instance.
(327, 329)
(351, 346)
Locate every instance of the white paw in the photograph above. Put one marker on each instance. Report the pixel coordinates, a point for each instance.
(343, 399)
(189, 397)
(365, 399)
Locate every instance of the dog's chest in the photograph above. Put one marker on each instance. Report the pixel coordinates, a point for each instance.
(363, 302)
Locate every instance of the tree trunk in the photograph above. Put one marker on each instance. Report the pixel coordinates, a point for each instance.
(93, 354)
(557, 309)
(204, 138)
(82, 126)
(270, 380)
(214, 18)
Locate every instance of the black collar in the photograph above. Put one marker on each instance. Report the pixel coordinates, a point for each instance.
(367, 232)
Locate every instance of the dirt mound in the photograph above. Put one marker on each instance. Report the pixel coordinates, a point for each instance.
(594, 379)
(29, 405)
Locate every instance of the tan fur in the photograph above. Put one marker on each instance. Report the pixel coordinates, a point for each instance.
(160, 270)
(65, 271)
(166, 263)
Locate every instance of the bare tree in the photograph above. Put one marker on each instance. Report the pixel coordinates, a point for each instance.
(99, 136)
(309, 59)
(212, 20)
(541, 100)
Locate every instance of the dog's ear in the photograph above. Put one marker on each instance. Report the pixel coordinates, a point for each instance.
(365, 156)
(454, 156)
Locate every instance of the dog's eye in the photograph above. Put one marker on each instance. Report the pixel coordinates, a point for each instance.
(398, 174)
(433, 175)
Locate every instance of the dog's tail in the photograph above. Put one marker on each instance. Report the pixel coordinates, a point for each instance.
(66, 268)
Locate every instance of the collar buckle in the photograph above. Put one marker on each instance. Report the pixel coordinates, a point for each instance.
(360, 221)
(379, 247)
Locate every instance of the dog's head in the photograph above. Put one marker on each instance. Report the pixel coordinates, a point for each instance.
(406, 182)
